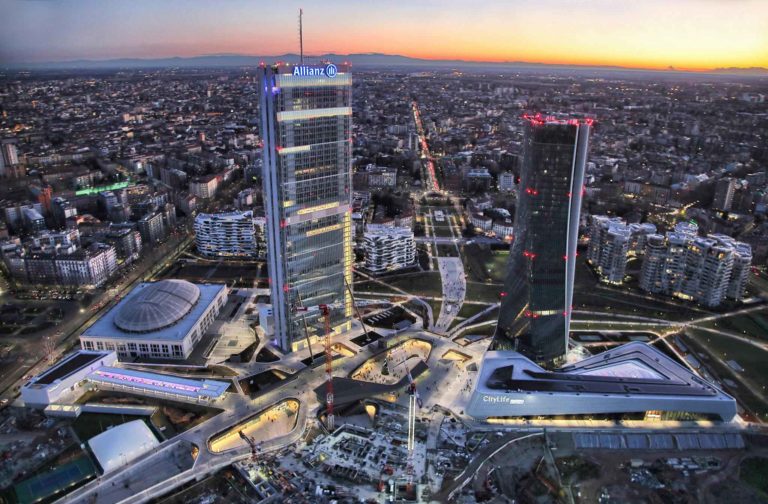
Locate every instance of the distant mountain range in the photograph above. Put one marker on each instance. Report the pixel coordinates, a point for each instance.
(363, 60)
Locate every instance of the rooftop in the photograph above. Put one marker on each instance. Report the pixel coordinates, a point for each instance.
(122, 444)
(165, 312)
(69, 365)
(634, 368)
(157, 382)
(158, 305)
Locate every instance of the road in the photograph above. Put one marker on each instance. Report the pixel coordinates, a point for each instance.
(153, 262)
(432, 183)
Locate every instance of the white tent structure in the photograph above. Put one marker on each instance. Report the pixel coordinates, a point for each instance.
(122, 444)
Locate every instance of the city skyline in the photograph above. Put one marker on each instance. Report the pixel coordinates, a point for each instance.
(690, 35)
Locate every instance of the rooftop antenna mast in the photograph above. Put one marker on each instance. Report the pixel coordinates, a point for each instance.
(301, 36)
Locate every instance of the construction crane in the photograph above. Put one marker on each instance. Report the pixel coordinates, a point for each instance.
(414, 401)
(252, 444)
(325, 312)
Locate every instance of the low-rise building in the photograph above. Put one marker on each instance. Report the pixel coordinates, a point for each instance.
(164, 320)
(64, 377)
(506, 182)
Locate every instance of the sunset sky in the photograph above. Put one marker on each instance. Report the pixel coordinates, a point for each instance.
(686, 34)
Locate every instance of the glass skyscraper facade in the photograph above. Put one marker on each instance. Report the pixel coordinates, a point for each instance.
(535, 313)
(306, 128)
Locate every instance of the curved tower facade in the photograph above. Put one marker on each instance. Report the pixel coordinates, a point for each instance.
(535, 312)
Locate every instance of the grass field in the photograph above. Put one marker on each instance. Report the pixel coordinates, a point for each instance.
(442, 230)
(418, 284)
(481, 292)
(750, 324)
(447, 250)
(486, 330)
(436, 305)
(369, 286)
(483, 264)
(470, 310)
(754, 472)
(749, 357)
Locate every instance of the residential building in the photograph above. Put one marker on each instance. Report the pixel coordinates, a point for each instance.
(389, 248)
(229, 234)
(725, 188)
(706, 270)
(204, 187)
(153, 227)
(506, 182)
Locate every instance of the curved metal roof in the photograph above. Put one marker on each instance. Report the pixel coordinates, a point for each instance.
(158, 305)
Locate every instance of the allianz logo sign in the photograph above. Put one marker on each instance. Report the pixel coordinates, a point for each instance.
(329, 70)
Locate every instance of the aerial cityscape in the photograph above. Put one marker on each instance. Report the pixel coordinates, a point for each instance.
(344, 256)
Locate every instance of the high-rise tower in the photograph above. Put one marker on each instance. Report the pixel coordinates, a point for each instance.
(306, 127)
(535, 313)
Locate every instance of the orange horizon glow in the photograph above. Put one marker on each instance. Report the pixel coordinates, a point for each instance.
(692, 35)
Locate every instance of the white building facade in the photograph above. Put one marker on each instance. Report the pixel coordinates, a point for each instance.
(162, 320)
(705, 270)
(389, 248)
(230, 234)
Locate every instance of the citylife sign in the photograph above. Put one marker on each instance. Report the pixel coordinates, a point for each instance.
(329, 70)
(502, 400)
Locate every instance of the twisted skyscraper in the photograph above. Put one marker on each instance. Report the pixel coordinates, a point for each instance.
(535, 312)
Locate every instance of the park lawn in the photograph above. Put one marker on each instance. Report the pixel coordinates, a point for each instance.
(496, 265)
(758, 284)
(482, 292)
(484, 264)
(442, 230)
(436, 304)
(447, 250)
(470, 310)
(616, 301)
(754, 472)
(754, 325)
(369, 286)
(486, 330)
(613, 325)
(750, 357)
(418, 284)
(456, 321)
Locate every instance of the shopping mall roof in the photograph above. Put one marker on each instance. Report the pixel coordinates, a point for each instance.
(165, 310)
(163, 383)
(122, 444)
(634, 377)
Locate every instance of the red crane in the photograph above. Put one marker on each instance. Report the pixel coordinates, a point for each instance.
(325, 312)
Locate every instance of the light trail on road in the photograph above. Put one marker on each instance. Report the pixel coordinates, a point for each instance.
(432, 182)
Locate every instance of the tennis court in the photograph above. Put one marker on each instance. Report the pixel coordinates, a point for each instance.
(63, 477)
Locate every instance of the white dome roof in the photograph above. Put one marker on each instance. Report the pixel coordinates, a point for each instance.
(158, 305)
(122, 444)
